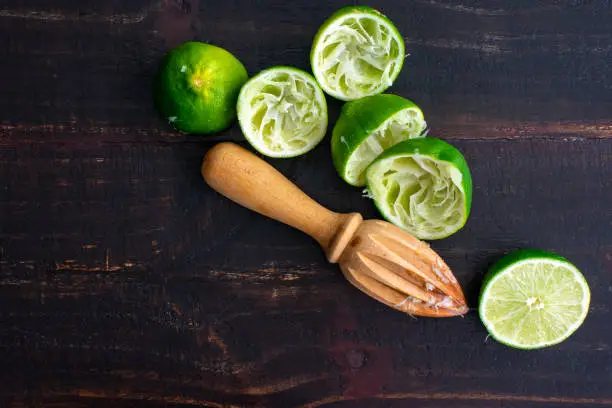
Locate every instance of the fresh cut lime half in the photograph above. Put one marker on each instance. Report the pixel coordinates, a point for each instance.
(282, 112)
(423, 186)
(357, 52)
(532, 299)
(197, 86)
(369, 126)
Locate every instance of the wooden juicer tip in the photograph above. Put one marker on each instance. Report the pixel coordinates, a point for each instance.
(382, 260)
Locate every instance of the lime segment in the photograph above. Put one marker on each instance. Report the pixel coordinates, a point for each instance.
(369, 126)
(423, 186)
(282, 112)
(357, 52)
(533, 299)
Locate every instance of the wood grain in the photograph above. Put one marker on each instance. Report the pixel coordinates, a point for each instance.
(502, 70)
(125, 281)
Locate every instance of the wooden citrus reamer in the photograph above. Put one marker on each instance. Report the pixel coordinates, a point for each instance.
(377, 257)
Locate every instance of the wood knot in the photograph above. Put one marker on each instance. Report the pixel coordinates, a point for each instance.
(356, 241)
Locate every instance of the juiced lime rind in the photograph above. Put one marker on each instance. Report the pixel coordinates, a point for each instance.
(383, 120)
(282, 112)
(189, 109)
(443, 175)
(532, 258)
(382, 75)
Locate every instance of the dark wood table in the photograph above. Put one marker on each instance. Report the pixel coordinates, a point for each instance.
(126, 282)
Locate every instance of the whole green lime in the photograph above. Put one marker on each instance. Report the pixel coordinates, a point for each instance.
(197, 87)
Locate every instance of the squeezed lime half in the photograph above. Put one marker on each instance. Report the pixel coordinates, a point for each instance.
(357, 52)
(282, 112)
(423, 186)
(369, 126)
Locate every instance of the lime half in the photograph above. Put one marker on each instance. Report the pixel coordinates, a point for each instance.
(423, 186)
(369, 126)
(197, 86)
(282, 112)
(532, 299)
(357, 52)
